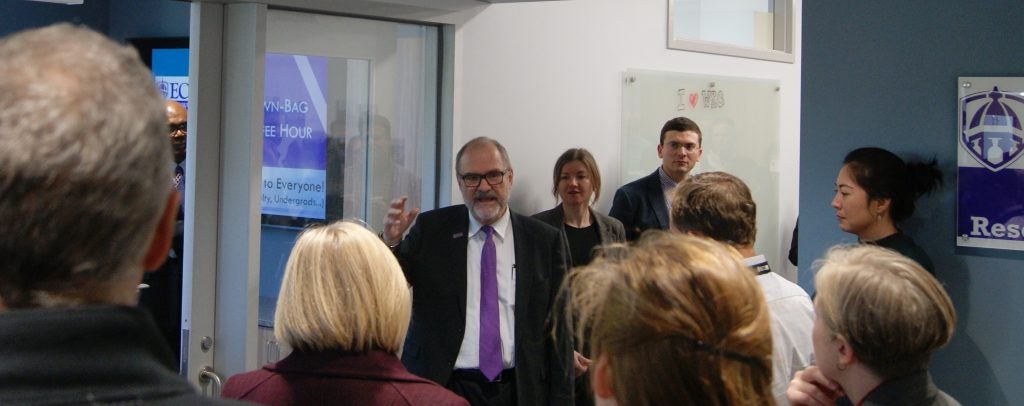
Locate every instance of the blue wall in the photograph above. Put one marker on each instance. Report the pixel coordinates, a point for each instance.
(884, 73)
(148, 18)
(17, 15)
(119, 19)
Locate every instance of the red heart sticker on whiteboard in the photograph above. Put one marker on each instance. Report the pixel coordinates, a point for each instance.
(693, 99)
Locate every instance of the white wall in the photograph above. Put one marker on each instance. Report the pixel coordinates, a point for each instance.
(546, 76)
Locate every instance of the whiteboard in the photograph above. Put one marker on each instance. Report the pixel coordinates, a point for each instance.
(739, 120)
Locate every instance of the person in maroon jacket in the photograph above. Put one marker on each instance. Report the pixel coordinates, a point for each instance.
(344, 309)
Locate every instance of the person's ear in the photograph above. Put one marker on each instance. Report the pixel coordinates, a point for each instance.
(846, 357)
(160, 241)
(602, 378)
(881, 206)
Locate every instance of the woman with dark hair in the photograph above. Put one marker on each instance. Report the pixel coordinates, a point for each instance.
(875, 190)
(577, 183)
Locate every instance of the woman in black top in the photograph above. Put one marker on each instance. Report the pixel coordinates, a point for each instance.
(577, 183)
(875, 190)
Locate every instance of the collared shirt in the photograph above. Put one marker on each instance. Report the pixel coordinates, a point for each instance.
(667, 185)
(759, 264)
(792, 322)
(469, 353)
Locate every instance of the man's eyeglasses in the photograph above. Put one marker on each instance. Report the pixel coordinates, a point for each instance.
(183, 127)
(494, 178)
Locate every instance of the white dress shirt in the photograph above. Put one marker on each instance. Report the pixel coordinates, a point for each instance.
(792, 316)
(469, 353)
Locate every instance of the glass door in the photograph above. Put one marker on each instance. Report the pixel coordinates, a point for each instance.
(350, 122)
(299, 119)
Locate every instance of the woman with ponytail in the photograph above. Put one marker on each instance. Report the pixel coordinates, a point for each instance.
(875, 190)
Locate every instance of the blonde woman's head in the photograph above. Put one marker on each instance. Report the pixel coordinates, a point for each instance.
(891, 311)
(342, 289)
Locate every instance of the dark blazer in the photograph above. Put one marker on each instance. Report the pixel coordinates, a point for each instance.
(163, 297)
(89, 355)
(611, 230)
(640, 205)
(333, 377)
(433, 257)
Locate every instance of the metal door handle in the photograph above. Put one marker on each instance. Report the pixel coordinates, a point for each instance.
(208, 378)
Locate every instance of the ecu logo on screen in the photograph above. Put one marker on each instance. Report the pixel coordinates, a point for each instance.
(990, 128)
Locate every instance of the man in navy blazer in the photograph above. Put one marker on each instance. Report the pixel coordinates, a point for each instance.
(443, 259)
(643, 204)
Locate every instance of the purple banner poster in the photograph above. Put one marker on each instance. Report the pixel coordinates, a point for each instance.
(294, 138)
(990, 173)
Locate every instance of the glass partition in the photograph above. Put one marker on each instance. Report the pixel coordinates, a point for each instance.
(350, 122)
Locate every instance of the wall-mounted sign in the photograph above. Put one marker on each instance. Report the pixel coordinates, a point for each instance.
(170, 71)
(990, 173)
(294, 139)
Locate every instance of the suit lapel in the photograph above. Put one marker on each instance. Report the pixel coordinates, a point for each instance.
(459, 235)
(656, 198)
(603, 230)
(522, 271)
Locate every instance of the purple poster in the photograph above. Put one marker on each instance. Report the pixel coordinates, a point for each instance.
(294, 138)
(990, 174)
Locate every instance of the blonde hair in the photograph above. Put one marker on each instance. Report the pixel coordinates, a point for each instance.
(893, 313)
(680, 319)
(342, 289)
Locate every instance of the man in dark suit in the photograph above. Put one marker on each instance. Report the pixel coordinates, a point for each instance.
(643, 204)
(485, 282)
(162, 295)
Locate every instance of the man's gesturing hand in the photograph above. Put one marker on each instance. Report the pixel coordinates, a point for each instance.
(397, 221)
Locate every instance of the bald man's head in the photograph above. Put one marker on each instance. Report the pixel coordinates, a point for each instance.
(177, 117)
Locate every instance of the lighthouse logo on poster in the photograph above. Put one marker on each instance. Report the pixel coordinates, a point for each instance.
(990, 128)
(990, 174)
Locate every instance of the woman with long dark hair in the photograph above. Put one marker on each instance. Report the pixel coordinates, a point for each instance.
(875, 190)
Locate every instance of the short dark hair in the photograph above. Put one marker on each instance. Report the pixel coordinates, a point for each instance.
(681, 124)
(482, 140)
(883, 175)
(584, 156)
(716, 205)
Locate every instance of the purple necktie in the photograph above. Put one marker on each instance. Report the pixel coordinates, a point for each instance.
(179, 178)
(490, 332)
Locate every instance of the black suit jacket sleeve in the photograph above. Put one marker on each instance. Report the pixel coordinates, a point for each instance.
(640, 206)
(433, 258)
(560, 364)
(624, 208)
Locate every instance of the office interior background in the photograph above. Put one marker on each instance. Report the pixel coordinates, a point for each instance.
(545, 76)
